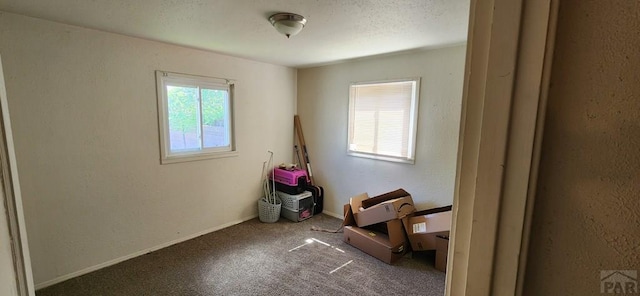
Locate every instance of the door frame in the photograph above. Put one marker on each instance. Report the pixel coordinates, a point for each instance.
(13, 199)
(508, 63)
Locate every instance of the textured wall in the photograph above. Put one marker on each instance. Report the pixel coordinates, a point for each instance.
(84, 113)
(587, 209)
(323, 100)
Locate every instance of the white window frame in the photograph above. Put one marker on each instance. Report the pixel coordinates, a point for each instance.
(164, 78)
(413, 125)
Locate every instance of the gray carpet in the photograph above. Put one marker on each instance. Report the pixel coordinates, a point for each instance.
(254, 258)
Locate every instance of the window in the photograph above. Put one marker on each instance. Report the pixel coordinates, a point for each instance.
(383, 119)
(195, 117)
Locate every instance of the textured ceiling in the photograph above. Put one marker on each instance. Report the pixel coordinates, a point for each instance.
(336, 29)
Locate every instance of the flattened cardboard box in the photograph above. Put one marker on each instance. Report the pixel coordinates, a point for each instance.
(388, 248)
(382, 212)
(423, 229)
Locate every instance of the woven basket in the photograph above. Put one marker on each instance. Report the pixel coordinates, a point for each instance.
(268, 212)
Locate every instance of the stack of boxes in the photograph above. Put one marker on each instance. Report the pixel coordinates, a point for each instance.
(387, 226)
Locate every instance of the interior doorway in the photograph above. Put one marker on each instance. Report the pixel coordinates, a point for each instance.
(509, 56)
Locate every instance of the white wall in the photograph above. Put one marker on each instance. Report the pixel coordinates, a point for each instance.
(84, 114)
(323, 98)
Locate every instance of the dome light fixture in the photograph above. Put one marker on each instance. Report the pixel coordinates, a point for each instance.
(287, 23)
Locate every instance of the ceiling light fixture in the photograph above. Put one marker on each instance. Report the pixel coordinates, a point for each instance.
(288, 24)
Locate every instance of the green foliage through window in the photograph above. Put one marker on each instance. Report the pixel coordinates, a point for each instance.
(196, 115)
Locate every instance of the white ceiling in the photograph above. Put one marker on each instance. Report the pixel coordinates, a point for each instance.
(336, 30)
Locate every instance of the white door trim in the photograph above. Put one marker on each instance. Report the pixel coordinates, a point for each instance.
(13, 199)
(506, 77)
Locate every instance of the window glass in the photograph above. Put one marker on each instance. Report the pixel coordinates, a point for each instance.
(195, 118)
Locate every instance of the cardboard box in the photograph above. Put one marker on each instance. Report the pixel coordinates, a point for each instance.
(386, 241)
(386, 247)
(423, 229)
(442, 249)
(382, 212)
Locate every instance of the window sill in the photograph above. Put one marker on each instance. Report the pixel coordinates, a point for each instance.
(381, 157)
(195, 157)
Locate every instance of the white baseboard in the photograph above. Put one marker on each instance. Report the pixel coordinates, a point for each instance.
(332, 214)
(136, 254)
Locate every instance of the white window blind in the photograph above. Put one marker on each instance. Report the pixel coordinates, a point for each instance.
(383, 120)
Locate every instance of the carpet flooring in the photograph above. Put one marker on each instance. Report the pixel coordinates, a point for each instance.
(254, 258)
